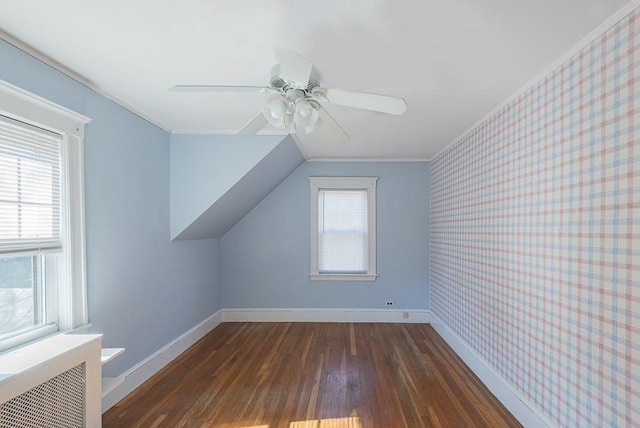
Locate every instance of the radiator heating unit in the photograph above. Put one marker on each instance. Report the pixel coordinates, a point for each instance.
(54, 383)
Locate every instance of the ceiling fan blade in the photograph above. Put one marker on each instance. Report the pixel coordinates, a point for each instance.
(254, 125)
(222, 88)
(363, 100)
(330, 129)
(295, 68)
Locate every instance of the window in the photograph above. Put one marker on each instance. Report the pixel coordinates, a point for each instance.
(343, 228)
(42, 269)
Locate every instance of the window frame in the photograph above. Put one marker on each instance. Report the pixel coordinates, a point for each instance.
(316, 184)
(70, 264)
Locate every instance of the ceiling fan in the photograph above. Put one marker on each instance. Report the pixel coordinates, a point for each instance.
(298, 98)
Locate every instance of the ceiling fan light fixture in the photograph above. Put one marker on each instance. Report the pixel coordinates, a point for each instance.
(276, 112)
(304, 108)
(306, 116)
(313, 126)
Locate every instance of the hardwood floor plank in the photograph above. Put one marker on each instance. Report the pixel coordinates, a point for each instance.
(320, 375)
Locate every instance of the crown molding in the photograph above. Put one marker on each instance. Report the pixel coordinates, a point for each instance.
(30, 50)
(584, 42)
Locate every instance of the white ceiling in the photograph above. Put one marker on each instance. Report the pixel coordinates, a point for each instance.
(452, 60)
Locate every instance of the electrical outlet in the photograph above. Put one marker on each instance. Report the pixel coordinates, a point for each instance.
(389, 303)
(405, 315)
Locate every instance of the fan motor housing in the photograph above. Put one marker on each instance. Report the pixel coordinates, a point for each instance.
(279, 82)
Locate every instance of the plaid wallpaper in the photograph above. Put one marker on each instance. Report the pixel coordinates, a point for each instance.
(535, 237)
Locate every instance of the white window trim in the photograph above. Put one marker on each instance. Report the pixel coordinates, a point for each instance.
(21, 105)
(343, 183)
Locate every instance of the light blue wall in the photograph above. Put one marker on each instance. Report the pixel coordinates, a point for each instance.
(144, 290)
(205, 167)
(217, 179)
(266, 255)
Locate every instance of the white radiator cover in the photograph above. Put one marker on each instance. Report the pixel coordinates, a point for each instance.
(54, 383)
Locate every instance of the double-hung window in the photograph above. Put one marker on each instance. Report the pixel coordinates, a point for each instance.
(42, 277)
(343, 228)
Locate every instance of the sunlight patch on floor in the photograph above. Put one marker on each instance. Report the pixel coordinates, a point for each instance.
(252, 426)
(350, 422)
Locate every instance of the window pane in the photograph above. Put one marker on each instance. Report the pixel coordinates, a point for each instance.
(342, 224)
(30, 186)
(21, 297)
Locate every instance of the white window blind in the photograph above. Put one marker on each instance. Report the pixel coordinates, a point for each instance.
(29, 188)
(343, 230)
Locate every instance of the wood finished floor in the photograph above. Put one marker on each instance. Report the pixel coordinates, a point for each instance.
(320, 375)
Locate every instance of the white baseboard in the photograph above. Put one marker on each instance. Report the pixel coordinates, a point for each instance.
(414, 316)
(508, 396)
(124, 384)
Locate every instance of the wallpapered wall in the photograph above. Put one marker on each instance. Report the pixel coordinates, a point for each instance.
(535, 237)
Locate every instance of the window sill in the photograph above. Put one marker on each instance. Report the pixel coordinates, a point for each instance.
(342, 277)
(28, 338)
